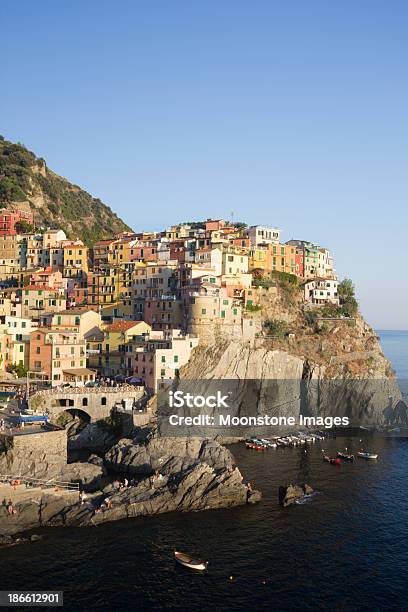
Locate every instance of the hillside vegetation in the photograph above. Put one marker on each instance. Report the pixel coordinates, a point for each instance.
(27, 183)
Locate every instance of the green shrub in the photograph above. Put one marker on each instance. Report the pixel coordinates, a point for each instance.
(253, 307)
(276, 327)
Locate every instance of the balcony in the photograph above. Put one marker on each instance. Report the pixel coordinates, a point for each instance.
(67, 342)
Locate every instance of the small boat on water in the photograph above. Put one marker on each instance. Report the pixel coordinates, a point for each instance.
(268, 443)
(255, 446)
(190, 562)
(367, 455)
(332, 460)
(345, 456)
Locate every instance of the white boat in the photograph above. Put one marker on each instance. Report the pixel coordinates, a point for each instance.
(367, 455)
(190, 562)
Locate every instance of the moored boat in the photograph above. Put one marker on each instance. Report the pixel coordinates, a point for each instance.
(190, 562)
(345, 456)
(332, 460)
(367, 455)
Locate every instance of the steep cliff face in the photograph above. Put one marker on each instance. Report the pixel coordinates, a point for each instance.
(27, 183)
(321, 365)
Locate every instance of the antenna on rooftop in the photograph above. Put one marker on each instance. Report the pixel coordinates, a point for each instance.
(232, 217)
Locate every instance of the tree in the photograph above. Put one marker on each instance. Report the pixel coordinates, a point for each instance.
(346, 292)
(18, 369)
(240, 225)
(10, 191)
(23, 227)
(346, 289)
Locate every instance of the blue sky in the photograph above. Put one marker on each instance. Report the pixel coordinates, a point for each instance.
(292, 114)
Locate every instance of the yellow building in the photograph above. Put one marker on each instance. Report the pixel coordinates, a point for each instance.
(75, 258)
(116, 335)
(101, 251)
(273, 258)
(259, 259)
(119, 251)
(282, 258)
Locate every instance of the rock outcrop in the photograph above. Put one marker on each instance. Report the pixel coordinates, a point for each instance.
(290, 494)
(89, 436)
(178, 474)
(169, 455)
(197, 488)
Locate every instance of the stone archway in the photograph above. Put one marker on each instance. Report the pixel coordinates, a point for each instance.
(64, 417)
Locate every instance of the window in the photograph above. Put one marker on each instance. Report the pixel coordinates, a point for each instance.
(203, 311)
(103, 401)
(84, 401)
(38, 350)
(23, 324)
(175, 358)
(163, 359)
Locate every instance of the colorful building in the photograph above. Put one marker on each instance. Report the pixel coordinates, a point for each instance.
(75, 258)
(39, 299)
(263, 234)
(60, 356)
(9, 220)
(310, 253)
(320, 291)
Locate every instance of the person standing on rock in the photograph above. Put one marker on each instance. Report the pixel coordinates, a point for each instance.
(108, 502)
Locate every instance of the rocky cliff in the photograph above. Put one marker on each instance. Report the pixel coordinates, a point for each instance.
(324, 363)
(28, 184)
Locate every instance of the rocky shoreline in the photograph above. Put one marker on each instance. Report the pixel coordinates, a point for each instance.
(161, 474)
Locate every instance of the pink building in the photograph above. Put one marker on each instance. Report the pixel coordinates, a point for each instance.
(10, 218)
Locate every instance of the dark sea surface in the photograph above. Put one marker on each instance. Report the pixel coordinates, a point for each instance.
(346, 548)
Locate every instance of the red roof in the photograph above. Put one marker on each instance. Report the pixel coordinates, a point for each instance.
(45, 272)
(121, 326)
(39, 288)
